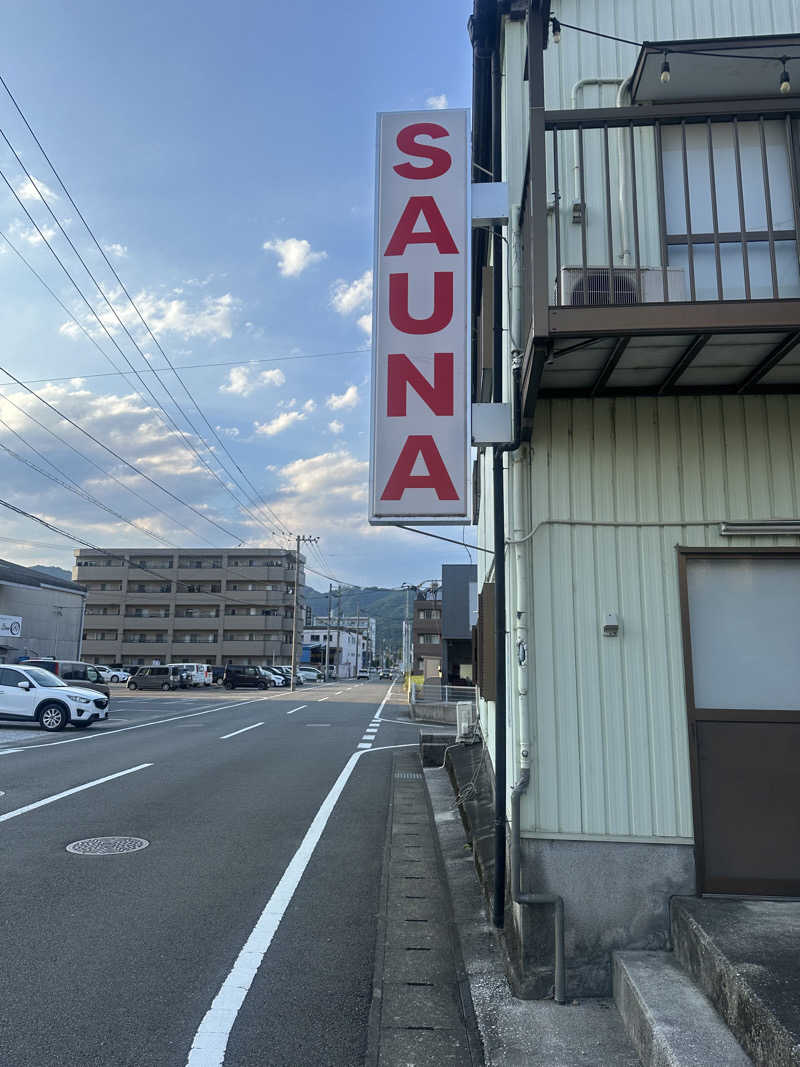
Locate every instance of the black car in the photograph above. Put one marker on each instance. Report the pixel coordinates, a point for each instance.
(238, 676)
(217, 674)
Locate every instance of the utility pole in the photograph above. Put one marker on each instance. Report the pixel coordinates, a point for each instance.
(305, 541)
(358, 638)
(328, 633)
(338, 631)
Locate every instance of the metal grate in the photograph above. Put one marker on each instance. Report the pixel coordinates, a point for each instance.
(107, 846)
(408, 774)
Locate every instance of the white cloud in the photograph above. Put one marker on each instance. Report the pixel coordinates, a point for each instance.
(242, 381)
(364, 323)
(335, 426)
(30, 190)
(228, 431)
(279, 423)
(116, 249)
(438, 103)
(212, 318)
(342, 401)
(30, 234)
(347, 297)
(309, 406)
(294, 255)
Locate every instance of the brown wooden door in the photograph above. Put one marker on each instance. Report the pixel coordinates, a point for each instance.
(741, 620)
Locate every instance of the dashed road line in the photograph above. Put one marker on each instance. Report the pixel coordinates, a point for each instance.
(297, 709)
(243, 730)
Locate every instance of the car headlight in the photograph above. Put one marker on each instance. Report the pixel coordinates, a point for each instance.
(82, 700)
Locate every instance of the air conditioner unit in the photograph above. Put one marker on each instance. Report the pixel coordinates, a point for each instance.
(627, 288)
(465, 720)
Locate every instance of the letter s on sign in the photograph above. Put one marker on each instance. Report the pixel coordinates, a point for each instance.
(406, 142)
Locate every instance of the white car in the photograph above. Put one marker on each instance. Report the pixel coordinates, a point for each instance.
(31, 694)
(308, 674)
(277, 678)
(112, 674)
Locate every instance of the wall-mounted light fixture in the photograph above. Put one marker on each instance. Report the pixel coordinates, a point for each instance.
(611, 625)
(765, 527)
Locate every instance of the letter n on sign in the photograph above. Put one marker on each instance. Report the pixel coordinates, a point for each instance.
(420, 356)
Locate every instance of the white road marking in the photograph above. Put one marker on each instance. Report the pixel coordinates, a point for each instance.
(297, 709)
(211, 1039)
(69, 792)
(317, 724)
(321, 699)
(338, 692)
(364, 746)
(243, 730)
(139, 726)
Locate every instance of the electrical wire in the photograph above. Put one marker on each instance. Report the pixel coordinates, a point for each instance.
(74, 488)
(103, 471)
(130, 336)
(117, 456)
(159, 406)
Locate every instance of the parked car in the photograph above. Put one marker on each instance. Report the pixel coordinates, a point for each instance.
(308, 674)
(217, 674)
(363, 674)
(198, 673)
(286, 671)
(171, 676)
(74, 673)
(239, 676)
(32, 694)
(278, 679)
(112, 674)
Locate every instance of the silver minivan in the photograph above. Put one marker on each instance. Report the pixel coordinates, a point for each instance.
(172, 676)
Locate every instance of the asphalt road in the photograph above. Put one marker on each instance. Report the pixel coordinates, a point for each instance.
(116, 960)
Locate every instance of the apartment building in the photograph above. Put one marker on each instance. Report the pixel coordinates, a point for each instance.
(426, 633)
(217, 607)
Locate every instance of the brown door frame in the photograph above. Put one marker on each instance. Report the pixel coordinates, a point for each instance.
(695, 714)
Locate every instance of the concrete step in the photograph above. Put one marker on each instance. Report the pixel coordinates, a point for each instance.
(669, 1021)
(745, 956)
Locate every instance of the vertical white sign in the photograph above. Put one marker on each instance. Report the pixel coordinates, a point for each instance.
(420, 355)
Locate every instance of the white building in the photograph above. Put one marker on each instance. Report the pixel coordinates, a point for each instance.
(39, 615)
(344, 649)
(653, 508)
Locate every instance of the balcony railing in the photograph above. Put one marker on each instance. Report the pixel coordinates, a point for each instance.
(682, 204)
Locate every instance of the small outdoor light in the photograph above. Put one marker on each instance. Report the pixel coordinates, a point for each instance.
(611, 625)
(786, 85)
(556, 29)
(665, 75)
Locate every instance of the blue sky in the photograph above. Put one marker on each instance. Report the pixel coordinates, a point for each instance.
(223, 156)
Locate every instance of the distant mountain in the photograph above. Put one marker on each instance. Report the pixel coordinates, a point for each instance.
(54, 572)
(386, 606)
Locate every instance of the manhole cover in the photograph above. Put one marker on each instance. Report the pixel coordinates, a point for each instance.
(107, 846)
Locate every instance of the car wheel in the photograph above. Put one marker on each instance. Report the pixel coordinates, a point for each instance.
(114, 677)
(132, 685)
(52, 717)
(165, 688)
(81, 725)
(228, 685)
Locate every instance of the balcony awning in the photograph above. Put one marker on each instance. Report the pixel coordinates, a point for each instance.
(716, 69)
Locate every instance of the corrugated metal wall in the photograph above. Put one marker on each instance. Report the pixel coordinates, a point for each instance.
(608, 715)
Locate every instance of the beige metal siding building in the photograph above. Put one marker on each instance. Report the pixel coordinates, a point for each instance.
(217, 607)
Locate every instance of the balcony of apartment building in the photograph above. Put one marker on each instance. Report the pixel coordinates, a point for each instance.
(103, 591)
(258, 643)
(107, 612)
(243, 618)
(191, 568)
(194, 616)
(187, 636)
(137, 589)
(155, 639)
(99, 568)
(658, 239)
(264, 568)
(197, 587)
(147, 611)
(265, 592)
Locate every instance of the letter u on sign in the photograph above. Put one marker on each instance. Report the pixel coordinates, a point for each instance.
(420, 364)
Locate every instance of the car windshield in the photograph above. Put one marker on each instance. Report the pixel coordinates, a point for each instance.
(43, 678)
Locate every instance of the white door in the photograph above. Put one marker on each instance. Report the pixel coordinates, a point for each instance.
(14, 701)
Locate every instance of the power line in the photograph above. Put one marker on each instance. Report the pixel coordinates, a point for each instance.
(117, 456)
(181, 366)
(97, 466)
(159, 406)
(130, 336)
(74, 488)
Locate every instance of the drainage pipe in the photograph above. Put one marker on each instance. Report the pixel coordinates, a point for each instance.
(536, 898)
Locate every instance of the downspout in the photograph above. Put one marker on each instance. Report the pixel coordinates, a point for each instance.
(536, 91)
(622, 147)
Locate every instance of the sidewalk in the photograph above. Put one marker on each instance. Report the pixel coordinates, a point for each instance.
(440, 993)
(421, 1013)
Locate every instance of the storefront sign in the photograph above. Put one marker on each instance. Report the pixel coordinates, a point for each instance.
(419, 453)
(10, 625)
